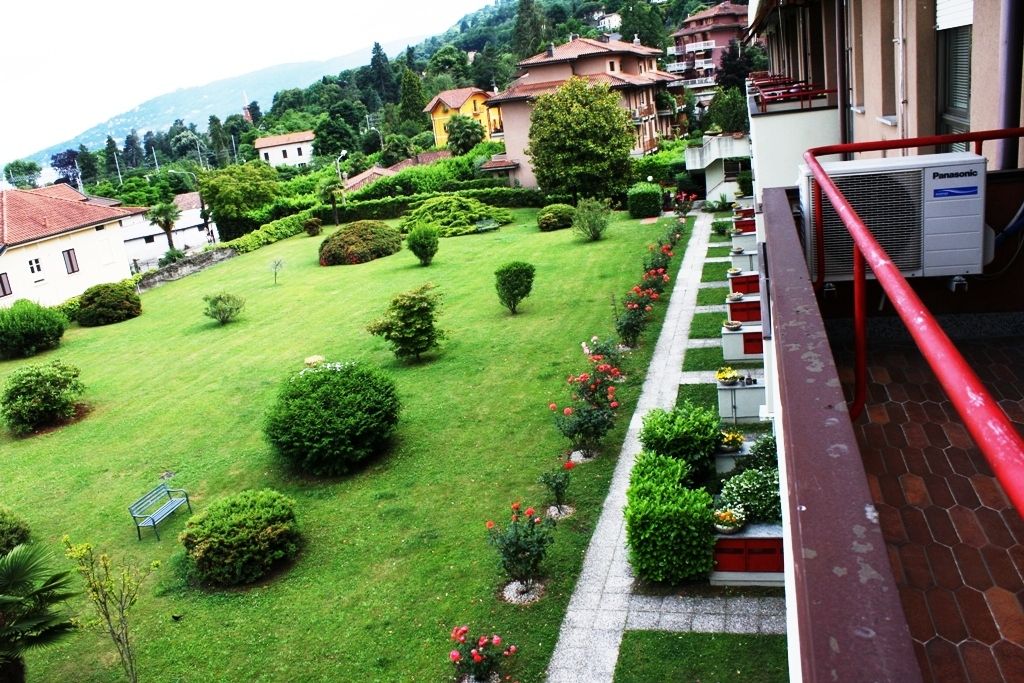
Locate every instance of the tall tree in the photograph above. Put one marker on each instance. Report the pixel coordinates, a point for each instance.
(22, 173)
(87, 165)
(463, 134)
(643, 20)
(219, 144)
(734, 67)
(231, 191)
(110, 152)
(29, 598)
(64, 164)
(164, 215)
(290, 98)
(449, 60)
(254, 112)
(381, 77)
(133, 154)
(410, 106)
(529, 29)
(333, 135)
(560, 121)
(491, 69)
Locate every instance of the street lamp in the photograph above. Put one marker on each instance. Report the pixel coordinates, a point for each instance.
(337, 162)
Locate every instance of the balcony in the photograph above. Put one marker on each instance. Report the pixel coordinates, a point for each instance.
(717, 147)
(704, 63)
(673, 50)
(644, 111)
(702, 45)
(677, 67)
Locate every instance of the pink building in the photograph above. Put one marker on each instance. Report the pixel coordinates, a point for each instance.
(699, 45)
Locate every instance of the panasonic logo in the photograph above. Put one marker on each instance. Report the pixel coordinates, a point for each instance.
(936, 175)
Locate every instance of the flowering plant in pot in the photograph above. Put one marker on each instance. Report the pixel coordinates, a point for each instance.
(726, 375)
(729, 520)
(478, 657)
(733, 272)
(734, 296)
(732, 325)
(731, 440)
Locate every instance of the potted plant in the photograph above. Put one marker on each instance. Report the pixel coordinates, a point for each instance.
(727, 376)
(736, 250)
(729, 520)
(733, 272)
(732, 325)
(734, 296)
(730, 441)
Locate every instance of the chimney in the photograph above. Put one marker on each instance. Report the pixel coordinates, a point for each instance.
(551, 49)
(636, 39)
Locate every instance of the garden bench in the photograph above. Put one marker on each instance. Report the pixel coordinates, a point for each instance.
(143, 515)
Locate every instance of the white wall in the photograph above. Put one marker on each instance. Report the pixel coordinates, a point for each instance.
(100, 254)
(146, 243)
(299, 154)
(778, 142)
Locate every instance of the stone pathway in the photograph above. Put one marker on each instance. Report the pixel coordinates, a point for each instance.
(604, 604)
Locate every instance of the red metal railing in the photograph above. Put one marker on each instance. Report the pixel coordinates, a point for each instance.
(997, 438)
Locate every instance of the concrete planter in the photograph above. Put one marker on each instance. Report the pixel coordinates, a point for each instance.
(741, 402)
(748, 242)
(747, 261)
(751, 557)
(743, 344)
(747, 309)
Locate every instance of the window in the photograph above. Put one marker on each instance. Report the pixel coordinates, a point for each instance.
(954, 75)
(266, 156)
(70, 261)
(5, 285)
(298, 150)
(284, 154)
(611, 66)
(148, 239)
(33, 266)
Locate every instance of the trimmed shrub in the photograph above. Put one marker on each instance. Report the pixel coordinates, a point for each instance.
(644, 200)
(668, 527)
(312, 226)
(410, 323)
(329, 418)
(764, 454)
(360, 242)
(26, 328)
(223, 307)
(170, 256)
(108, 303)
(269, 233)
(13, 531)
(523, 544)
(721, 227)
(745, 180)
(423, 242)
(555, 217)
(241, 538)
(591, 219)
(688, 432)
(454, 215)
(757, 490)
(70, 308)
(514, 280)
(37, 396)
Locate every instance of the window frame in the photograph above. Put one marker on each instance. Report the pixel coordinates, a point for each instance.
(5, 285)
(70, 261)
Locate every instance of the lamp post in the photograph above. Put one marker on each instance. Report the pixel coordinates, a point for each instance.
(337, 162)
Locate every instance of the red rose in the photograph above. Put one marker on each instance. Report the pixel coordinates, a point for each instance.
(529, 512)
(490, 524)
(455, 656)
(516, 505)
(566, 411)
(569, 464)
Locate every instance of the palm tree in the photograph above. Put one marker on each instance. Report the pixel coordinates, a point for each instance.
(165, 215)
(29, 618)
(329, 188)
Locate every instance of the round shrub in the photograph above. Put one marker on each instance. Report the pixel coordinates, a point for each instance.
(757, 490)
(555, 217)
(37, 396)
(26, 328)
(688, 432)
(423, 241)
(454, 215)
(70, 308)
(223, 307)
(514, 281)
(360, 242)
(241, 538)
(312, 226)
(644, 200)
(764, 453)
(107, 304)
(13, 530)
(330, 417)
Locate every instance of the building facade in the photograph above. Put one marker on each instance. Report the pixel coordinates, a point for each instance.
(629, 69)
(468, 102)
(290, 149)
(146, 243)
(696, 53)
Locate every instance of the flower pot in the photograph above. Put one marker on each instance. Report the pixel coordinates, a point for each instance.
(728, 449)
(734, 296)
(736, 250)
(729, 382)
(732, 327)
(727, 529)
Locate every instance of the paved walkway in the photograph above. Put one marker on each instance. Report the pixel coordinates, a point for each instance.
(604, 604)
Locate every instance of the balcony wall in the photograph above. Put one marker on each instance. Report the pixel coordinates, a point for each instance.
(779, 138)
(716, 147)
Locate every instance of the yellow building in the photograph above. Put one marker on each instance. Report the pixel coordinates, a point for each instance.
(469, 102)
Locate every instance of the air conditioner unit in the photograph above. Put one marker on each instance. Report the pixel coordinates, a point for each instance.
(926, 211)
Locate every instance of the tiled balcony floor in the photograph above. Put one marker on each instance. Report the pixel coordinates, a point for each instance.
(955, 543)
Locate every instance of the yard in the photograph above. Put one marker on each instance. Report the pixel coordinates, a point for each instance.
(396, 554)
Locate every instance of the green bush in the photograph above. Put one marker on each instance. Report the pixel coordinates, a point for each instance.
(591, 219)
(170, 256)
(108, 303)
(514, 280)
(745, 179)
(764, 454)
(26, 328)
(688, 432)
(312, 226)
(454, 215)
(668, 526)
(13, 531)
(360, 242)
(523, 544)
(410, 323)
(555, 217)
(270, 233)
(329, 418)
(37, 396)
(423, 242)
(223, 307)
(240, 539)
(70, 308)
(757, 490)
(644, 200)
(585, 426)
(721, 227)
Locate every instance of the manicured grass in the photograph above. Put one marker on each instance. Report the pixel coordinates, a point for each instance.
(704, 394)
(395, 555)
(718, 251)
(711, 296)
(715, 272)
(647, 656)
(711, 358)
(706, 325)
(715, 238)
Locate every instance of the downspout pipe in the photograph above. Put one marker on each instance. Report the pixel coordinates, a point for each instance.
(1010, 67)
(842, 74)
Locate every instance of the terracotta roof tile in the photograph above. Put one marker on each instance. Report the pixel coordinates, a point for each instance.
(725, 9)
(421, 159)
(454, 98)
(582, 47)
(618, 79)
(28, 215)
(368, 176)
(188, 201)
(286, 139)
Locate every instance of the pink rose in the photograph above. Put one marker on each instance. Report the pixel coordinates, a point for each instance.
(455, 656)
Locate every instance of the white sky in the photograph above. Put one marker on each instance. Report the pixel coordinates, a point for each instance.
(70, 65)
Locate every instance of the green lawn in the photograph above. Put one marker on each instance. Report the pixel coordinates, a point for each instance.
(712, 296)
(395, 555)
(647, 656)
(706, 325)
(715, 272)
(719, 251)
(703, 394)
(711, 358)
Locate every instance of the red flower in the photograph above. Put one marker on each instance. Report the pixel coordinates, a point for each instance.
(455, 656)
(496, 639)
(567, 411)
(648, 308)
(512, 649)
(614, 404)
(569, 464)
(553, 406)
(490, 524)
(476, 656)
(516, 505)
(529, 512)
(482, 641)
(536, 520)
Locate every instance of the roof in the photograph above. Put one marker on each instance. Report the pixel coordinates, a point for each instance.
(286, 139)
(499, 165)
(616, 80)
(454, 99)
(724, 9)
(368, 176)
(421, 159)
(585, 47)
(188, 201)
(29, 215)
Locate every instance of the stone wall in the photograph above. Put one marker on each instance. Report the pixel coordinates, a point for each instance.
(186, 266)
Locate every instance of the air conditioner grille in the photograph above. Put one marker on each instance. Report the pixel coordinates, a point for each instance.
(890, 206)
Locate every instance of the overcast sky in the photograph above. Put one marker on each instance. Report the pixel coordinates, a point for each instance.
(70, 65)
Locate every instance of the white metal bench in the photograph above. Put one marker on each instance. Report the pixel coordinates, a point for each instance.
(143, 515)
